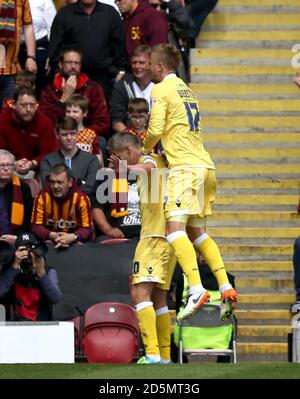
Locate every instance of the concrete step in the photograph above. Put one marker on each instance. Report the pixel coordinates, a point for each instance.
(265, 331)
(267, 21)
(250, 35)
(263, 314)
(253, 3)
(266, 283)
(264, 107)
(289, 184)
(239, 89)
(268, 249)
(258, 170)
(252, 139)
(259, 266)
(241, 199)
(267, 298)
(262, 348)
(255, 152)
(240, 70)
(252, 123)
(255, 232)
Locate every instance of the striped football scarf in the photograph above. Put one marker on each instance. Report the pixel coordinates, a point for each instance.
(17, 210)
(119, 197)
(8, 17)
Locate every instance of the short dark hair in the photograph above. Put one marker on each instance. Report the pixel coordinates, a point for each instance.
(66, 123)
(61, 168)
(69, 49)
(138, 105)
(27, 76)
(24, 90)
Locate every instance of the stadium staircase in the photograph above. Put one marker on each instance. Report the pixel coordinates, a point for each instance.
(242, 75)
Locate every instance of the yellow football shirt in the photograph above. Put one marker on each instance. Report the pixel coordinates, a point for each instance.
(175, 120)
(151, 191)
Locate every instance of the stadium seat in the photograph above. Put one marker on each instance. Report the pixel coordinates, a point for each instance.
(111, 333)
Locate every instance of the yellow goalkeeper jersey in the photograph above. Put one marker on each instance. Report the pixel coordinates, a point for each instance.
(175, 119)
(151, 191)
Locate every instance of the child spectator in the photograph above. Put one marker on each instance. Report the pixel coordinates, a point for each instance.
(77, 107)
(138, 116)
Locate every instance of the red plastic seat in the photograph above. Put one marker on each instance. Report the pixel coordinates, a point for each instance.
(111, 333)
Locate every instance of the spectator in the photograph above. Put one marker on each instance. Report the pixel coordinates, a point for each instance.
(71, 80)
(28, 284)
(135, 84)
(43, 13)
(179, 24)
(138, 116)
(116, 213)
(154, 260)
(96, 30)
(14, 16)
(142, 24)
(26, 132)
(77, 108)
(199, 10)
(15, 199)
(296, 264)
(62, 213)
(84, 166)
(24, 78)
(191, 184)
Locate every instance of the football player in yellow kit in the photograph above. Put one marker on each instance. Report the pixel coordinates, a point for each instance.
(154, 259)
(191, 186)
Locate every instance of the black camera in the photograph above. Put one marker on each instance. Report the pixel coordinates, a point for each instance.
(7, 252)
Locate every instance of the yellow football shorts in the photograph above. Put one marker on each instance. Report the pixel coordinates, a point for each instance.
(154, 261)
(189, 191)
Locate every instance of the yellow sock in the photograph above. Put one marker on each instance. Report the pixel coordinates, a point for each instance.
(186, 256)
(212, 256)
(163, 328)
(147, 324)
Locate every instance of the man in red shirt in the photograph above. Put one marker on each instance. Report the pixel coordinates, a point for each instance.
(142, 24)
(26, 132)
(69, 81)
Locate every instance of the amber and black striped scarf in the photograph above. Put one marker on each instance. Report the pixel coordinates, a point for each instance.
(17, 209)
(8, 15)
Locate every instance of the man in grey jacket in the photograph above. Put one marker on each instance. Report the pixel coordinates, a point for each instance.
(83, 165)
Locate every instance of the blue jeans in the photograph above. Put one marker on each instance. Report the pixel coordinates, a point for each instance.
(296, 263)
(7, 87)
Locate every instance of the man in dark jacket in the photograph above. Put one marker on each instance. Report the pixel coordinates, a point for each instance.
(71, 80)
(142, 24)
(133, 85)
(27, 284)
(96, 30)
(15, 199)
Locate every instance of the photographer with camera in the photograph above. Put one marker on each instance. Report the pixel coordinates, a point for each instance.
(28, 287)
